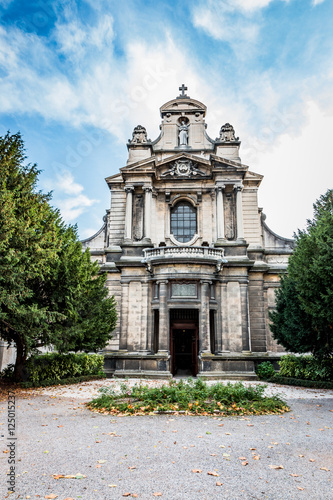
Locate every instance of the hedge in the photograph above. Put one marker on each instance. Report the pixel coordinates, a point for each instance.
(306, 368)
(315, 384)
(64, 381)
(56, 367)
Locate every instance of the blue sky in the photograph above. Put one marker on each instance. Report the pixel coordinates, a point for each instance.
(77, 76)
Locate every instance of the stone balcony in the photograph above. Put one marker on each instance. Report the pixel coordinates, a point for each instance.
(184, 254)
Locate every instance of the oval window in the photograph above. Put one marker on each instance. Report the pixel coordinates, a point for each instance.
(183, 221)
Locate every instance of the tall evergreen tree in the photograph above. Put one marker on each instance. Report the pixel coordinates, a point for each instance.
(50, 292)
(303, 319)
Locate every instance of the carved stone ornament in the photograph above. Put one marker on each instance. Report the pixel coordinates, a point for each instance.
(139, 135)
(183, 168)
(227, 133)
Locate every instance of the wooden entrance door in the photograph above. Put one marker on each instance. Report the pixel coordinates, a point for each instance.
(184, 348)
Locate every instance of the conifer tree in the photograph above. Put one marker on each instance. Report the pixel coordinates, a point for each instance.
(303, 319)
(50, 292)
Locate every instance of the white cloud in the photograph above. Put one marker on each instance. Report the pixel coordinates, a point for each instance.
(317, 2)
(67, 195)
(297, 170)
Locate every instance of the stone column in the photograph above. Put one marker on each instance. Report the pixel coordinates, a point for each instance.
(204, 332)
(147, 213)
(245, 317)
(163, 328)
(239, 212)
(124, 316)
(129, 212)
(219, 212)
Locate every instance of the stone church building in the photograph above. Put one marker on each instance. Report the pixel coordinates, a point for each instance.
(189, 257)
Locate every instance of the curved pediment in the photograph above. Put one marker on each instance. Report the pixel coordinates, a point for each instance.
(182, 105)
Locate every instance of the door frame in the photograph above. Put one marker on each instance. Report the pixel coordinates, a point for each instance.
(185, 325)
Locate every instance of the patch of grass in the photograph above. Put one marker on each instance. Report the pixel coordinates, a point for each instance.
(189, 397)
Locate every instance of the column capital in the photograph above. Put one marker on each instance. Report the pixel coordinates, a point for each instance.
(129, 189)
(238, 187)
(148, 189)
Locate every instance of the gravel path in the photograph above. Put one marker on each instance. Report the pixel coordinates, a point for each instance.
(147, 455)
(88, 390)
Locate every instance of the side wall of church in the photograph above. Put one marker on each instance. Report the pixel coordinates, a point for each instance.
(116, 219)
(251, 219)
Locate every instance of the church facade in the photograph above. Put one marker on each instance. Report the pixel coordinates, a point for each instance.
(189, 258)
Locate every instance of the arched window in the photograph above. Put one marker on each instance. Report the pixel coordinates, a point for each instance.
(183, 221)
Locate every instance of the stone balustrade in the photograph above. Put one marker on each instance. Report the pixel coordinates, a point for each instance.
(214, 256)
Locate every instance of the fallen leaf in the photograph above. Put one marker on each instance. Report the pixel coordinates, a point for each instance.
(250, 425)
(325, 468)
(207, 432)
(6, 451)
(157, 494)
(245, 463)
(101, 461)
(301, 456)
(294, 475)
(112, 485)
(58, 476)
(311, 460)
(51, 496)
(126, 494)
(213, 474)
(221, 425)
(213, 455)
(69, 498)
(253, 448)
(46, 451)
(299, 488)
(256, 457)
(276, 466)
(241, 458)
(59, 425)
(135, 495)
(228, 434)
(219, 484)
(197, 471)
(132, 467)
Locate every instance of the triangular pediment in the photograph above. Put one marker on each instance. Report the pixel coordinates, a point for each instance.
(183, 166)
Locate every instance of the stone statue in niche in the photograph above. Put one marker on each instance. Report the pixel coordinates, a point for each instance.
(139, 135)
(183, 134)
(227, 133)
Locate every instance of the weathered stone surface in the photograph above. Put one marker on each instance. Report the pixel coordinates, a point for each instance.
(226, 314)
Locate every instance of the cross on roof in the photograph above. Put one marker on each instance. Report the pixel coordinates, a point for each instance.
(182, 89)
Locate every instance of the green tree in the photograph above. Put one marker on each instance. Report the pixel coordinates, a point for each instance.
(303, 319)
(50, 292)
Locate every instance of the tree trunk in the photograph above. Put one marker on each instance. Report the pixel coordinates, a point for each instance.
(20, 372)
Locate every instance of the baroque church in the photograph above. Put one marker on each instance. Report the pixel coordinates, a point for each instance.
(189, 258)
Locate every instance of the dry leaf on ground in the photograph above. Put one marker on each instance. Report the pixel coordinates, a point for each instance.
(276, 466)
(218, 484)
(197, 471)
(215, 474)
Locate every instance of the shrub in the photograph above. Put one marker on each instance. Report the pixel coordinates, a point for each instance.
(306, 367)
(265, 370)
(194, 398)
(56, 367)
(314, 384)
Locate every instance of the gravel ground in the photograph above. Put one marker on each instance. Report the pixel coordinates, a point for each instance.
(146, 455)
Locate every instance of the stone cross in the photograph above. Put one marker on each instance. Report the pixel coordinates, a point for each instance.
(182, 89)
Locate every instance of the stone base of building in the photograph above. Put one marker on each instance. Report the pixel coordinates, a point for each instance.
(227, 366)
